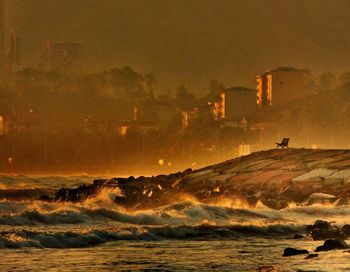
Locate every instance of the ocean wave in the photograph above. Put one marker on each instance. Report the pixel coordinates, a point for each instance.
(34, 217)
(24, 194)
(69, 239)
(186, 213)
(50, 182)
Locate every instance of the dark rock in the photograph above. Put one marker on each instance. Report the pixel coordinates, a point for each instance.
(298, 236)
(320, 224)
(124, 180)
(322, 230)
(289, 251)
(312, 255)
(112, 182)
(44, 198)
(293, 194)
(332, 244)
(78, 194)
(252, 200)
(99, 182)
(346, 230)
(187, 171)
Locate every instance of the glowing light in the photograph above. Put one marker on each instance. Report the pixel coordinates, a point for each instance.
(161, 162)
(123, 130)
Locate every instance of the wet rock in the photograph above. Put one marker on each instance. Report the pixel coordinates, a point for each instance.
(311, 256)
(322, 230)
(126, 180)
(332, 244)
(298, 236)
(320, 224)
(44, 198)
(187, 171)
(99, 182)
(252, 200)
(78, 194)
(261, 177)
(289, 251)
(293, 194)
(346, 230)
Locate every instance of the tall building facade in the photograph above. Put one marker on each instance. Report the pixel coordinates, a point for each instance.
(235, 103)
(282, 85)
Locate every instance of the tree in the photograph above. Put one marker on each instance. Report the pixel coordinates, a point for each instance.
(215, 87)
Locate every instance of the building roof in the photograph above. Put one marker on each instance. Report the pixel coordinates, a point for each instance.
(282, 69)
(239, 89)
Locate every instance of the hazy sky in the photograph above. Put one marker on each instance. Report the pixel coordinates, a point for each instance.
(191, 41)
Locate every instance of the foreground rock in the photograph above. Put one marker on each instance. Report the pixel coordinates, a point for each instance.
(298, 236)
(346, 230)
(332, 244)
(311, 256)
(274, 178)
(289, 251)
(322, 230)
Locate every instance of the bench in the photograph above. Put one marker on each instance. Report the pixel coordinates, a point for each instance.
(283, 144)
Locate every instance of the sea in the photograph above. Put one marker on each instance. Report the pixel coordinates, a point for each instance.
(98, 235)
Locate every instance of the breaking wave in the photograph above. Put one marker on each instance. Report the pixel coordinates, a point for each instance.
(97, 220)
(69, 239)
(186, 213)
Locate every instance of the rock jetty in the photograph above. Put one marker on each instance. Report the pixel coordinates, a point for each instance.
(273, 177)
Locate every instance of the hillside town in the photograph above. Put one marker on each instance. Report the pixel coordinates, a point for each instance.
(54, 116)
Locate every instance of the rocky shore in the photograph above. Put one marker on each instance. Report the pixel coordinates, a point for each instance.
(275, 178)
(333, 236)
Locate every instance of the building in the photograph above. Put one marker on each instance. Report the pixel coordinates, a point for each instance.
(246, 149)
(140, 127)
(235, 103)
(281, 85)
(188, 117)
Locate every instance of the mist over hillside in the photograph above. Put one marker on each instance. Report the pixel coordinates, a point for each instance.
(189, 41)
